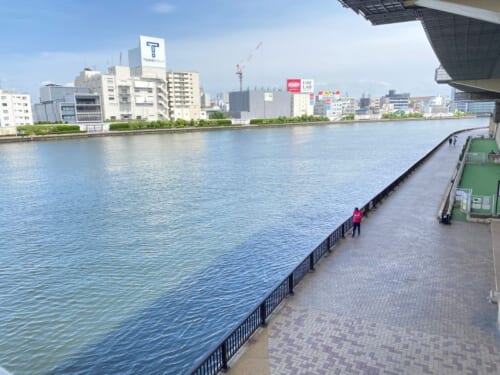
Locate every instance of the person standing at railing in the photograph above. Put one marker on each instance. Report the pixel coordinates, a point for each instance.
(357, 216)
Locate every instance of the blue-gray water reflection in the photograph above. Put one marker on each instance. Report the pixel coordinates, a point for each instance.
(136, 254)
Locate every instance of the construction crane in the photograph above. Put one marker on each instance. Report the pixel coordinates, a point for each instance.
(240, 67)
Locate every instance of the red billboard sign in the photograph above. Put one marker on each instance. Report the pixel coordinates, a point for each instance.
(293, 85)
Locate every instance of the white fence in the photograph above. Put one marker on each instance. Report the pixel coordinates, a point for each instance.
(482, 158)
(468, 203)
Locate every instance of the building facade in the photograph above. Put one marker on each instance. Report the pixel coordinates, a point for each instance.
(15, 109)
(127, 97)
(247, 105)
(144, 90)
(334, 107)
(302, 105)
(396, 102)
(72, 105)
(183, 90)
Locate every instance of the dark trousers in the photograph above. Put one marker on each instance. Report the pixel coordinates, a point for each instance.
(354, 226)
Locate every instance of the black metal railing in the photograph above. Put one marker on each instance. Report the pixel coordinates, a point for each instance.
(219, 356)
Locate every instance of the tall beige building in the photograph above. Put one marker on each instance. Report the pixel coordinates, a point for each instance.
(144, 90)
(184, 95)
(15, 109)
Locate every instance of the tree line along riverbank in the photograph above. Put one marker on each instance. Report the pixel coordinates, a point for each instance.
(40, 132)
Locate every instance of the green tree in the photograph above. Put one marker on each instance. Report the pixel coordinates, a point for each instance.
(218, 115)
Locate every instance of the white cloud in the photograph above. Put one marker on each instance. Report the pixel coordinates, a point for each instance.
(338, 52)
(163, 8)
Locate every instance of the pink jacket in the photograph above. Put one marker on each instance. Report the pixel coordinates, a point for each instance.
(357, 216)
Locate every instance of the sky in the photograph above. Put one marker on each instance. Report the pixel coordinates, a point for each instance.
(51, 41)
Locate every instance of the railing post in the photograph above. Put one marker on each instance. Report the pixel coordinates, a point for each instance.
(343, 230)
(311, 261)
(290, 283)
(329, 244)
(263, 314)
(224, 356)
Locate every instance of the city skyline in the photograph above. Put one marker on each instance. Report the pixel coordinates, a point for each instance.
(274, 41)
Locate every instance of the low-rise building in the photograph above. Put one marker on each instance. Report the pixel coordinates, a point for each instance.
(247, 105)
(335, 107)
(396, 102)
(15, 109)
(127, 97)
(67, 104)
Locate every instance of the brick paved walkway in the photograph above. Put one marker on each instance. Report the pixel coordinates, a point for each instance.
(409, 296)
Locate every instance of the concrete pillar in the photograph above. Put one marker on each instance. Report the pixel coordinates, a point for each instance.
(495, 123)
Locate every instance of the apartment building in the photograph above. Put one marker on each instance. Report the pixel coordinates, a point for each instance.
(184, 95)
(67, 104)
(302, 104)
(15, 109)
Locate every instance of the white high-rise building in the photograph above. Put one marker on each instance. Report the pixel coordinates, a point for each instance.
(144, 90)
(15, 109)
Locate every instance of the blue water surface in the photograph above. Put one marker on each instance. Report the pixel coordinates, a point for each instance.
(136, 254)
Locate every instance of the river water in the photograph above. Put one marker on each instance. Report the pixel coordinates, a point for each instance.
(136, 254)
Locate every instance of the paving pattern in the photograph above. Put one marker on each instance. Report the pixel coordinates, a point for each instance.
(409, 296)
(308, 341)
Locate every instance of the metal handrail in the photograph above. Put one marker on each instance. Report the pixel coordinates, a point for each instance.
(220, 354)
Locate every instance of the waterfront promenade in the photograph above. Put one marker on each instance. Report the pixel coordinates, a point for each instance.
(409, 296)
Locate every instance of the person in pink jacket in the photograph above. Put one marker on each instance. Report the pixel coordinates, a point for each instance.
(357, 216)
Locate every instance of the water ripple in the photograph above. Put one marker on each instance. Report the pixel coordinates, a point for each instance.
(136, 254)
